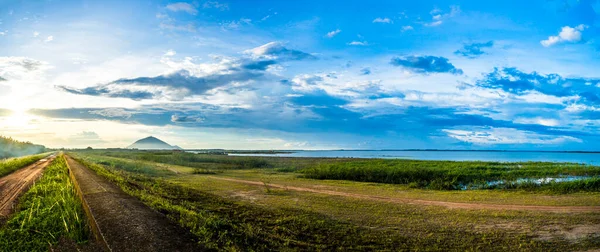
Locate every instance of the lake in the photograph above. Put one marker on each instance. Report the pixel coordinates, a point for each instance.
(513, 156)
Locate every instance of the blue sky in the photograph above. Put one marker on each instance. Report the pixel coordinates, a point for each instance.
(302, 74)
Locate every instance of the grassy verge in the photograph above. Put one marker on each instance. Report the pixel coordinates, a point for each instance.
(48, 211)
(8, 166)
(224, 224)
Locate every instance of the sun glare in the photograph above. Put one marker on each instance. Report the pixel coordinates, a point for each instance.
(19, 118)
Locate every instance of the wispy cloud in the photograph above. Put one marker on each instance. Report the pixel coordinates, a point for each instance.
(181, 6)
(332, 34)
(383, 20)
(438, 16)
(236, 24)
(277, 50)
(215, 5)
(21, 67)
(358, 43)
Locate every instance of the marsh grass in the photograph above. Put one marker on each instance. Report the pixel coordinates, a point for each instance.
(456, 175)
(134, 166)
(50, 210)
(190, 159)
(10, 165)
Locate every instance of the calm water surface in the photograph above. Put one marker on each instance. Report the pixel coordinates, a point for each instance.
(586, 158)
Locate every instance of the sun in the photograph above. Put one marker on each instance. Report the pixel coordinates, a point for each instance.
(19, 118)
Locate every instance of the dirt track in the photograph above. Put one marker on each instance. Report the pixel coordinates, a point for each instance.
(15, 184)
(454, 205)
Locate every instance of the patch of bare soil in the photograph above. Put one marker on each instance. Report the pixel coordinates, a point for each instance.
(572, 234)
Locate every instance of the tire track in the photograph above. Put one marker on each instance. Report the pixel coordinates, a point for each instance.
(452, 205)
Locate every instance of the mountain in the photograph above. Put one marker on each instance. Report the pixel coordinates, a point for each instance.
(152, 143)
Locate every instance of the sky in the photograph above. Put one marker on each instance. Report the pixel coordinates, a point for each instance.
(507, 75)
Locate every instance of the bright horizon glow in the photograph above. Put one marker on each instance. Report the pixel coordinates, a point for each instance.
(464, 74)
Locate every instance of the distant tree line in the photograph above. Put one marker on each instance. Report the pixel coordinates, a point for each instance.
(13, 148)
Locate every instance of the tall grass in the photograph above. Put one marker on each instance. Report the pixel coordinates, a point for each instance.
(48, 211)
(134, 166)
(8, 166)
(214, 162)
(449, 175)
(190, 159)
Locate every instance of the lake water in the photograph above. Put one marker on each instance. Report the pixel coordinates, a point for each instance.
(586, 158)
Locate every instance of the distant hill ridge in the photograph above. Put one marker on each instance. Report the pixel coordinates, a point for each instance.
(152, 143)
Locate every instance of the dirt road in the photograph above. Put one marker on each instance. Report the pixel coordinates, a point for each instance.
(15, 184)
(123, 222)
(454, 205)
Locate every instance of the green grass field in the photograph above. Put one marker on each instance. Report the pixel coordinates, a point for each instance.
(49, 211)
(10, 165)
(226, 215)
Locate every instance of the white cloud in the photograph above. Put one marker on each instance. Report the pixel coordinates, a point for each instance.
(277, 50)
(383, 20)
(336, 84)
(332, 34)
(170, 53)
(407, 28)
(21, 68)
(36, 34)
(49, 39)
(567, 34)
(186, 7)
(538, 120)
(359, 43)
